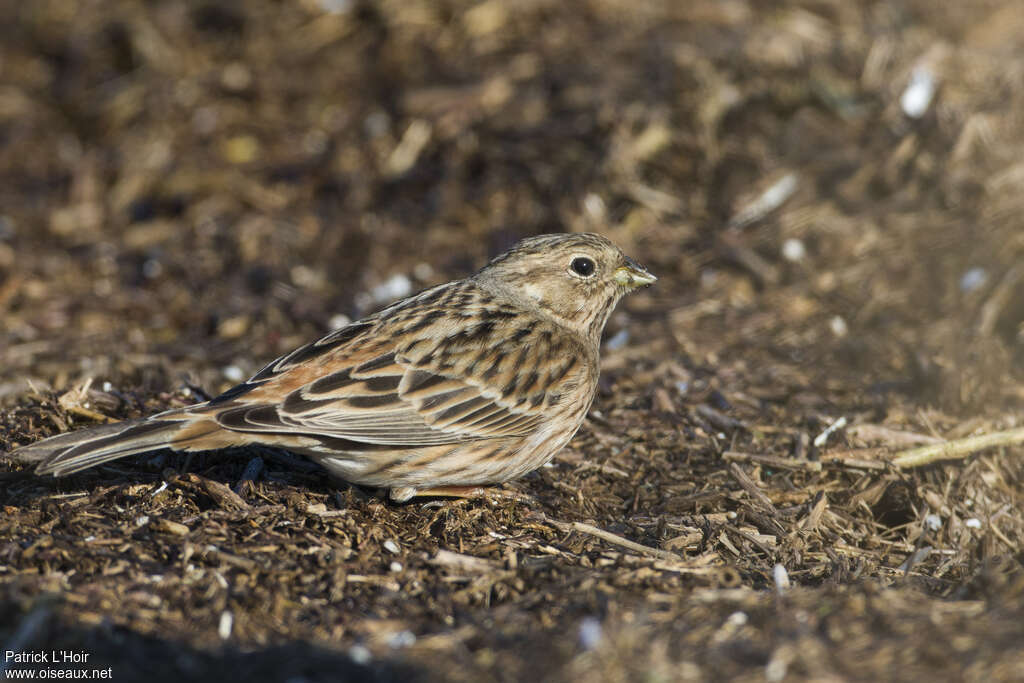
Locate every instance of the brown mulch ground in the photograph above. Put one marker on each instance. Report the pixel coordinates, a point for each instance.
(189, 189)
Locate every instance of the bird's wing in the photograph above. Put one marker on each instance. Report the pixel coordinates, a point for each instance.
(417, 376)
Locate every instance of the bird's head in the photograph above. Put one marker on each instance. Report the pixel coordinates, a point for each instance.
(575, 278)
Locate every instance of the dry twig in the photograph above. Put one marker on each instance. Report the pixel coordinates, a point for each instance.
(614, 539)
(772, 461)
(960, 448)
(751, 488)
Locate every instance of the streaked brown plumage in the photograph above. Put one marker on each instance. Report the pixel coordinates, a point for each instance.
(476, 381)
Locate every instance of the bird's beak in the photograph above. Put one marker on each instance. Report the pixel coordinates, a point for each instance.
(633, 275)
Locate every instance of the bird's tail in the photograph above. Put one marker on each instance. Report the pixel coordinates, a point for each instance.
(85, 448)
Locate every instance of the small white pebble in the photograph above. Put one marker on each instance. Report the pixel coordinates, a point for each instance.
(186, 392)
(838, 326)
(233, 373)
(973, 279)
(108, 387)
(391, 546)
(227, 622)
(737, 619)
(590, 633)
(395, 287)
(395, 567)
(402, 639)
(359, 655)
(917, 96)
(933, 522)
(793, 250)
(618, 340)
(973, 523)
(781, 577)
(142, 521)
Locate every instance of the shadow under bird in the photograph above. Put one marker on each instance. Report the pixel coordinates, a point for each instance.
(473, 382)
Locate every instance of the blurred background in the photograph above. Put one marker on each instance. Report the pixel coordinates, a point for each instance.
(829, 191)
(213, 183)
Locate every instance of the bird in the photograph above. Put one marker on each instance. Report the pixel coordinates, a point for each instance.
(464, 385)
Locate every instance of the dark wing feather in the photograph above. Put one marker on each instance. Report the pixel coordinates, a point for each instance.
(318, 349)
(429, 386)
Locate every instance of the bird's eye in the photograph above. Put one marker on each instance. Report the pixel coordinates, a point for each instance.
(581, 265)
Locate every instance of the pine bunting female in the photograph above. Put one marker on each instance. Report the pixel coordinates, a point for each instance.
(472, 382)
